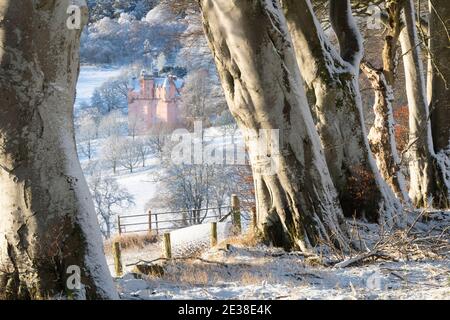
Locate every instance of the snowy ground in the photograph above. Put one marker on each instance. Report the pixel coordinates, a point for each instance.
(184, 242)
(261, 272)
(141, 184)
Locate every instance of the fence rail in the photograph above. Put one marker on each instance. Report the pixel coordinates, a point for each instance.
(155, 224)
(234, 213)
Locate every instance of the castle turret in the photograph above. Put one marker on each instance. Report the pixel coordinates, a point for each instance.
(147, 85)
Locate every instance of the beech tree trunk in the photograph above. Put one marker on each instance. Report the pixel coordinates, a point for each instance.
(390, 48)
(382, 135)
(439, 75)
(338, 108)
(427, 183)
(297, 204)
(48, 222)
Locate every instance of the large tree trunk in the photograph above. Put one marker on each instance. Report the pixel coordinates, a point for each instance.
(427, 185)
(338, 108)
(439, 75)
(381, 134)
(48, 222)
(390, 47)
(297, 203)
(347, 33)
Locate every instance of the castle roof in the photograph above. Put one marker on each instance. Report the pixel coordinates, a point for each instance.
(165, 82)
(161, 82)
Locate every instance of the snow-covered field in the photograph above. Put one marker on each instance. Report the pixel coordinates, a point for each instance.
(143, 184)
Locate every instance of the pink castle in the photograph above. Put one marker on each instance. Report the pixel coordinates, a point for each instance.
(156, 103)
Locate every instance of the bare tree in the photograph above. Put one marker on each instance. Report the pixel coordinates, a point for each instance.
(111, 151)
(129, 154)
(87, 133)
(111, 124)
(111, 95)
(197, 102)
(136, 125)
(227, 124)
(144, 148)
(157, 138)
(47, 216)
(109, 200)
(233, 179)
(187, 187)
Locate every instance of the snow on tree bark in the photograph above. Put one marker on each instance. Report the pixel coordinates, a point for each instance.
(298, 205)
(390, 48)
(439, 75)
(338, 108)
(427, 183)
(48, 222)
(382, 135)
(348, 35)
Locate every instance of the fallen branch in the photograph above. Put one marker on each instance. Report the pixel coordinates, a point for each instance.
(358, 258)
(180, 259)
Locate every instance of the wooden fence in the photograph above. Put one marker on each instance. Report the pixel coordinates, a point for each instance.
(152, 226)
(158, 223)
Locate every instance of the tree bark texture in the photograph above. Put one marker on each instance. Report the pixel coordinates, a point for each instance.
(427, 183)
(297, 205)
(48, 221)
(338, 108)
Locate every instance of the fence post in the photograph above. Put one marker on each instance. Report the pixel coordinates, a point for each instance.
(117, 259)
(119, 227)
(149, 221)
(254, 220)
(236, 208)
(156, 222)
(213, 234)
(167, 246)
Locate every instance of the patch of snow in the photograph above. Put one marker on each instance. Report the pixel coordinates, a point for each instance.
(197, 237)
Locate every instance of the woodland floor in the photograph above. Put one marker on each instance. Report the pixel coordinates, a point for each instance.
(405, 264)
